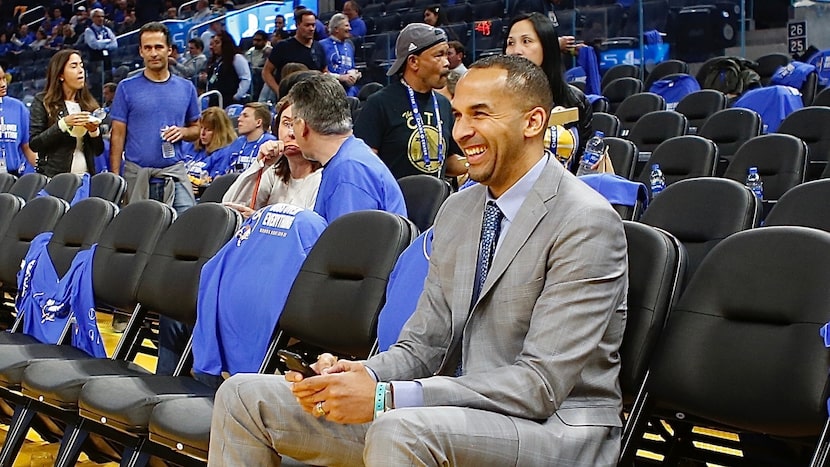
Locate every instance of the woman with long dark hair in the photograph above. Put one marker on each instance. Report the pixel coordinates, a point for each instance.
(532, 35)
(228, 71)
(62, 129)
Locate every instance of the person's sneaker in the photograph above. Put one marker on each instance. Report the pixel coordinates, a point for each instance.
(119, 322)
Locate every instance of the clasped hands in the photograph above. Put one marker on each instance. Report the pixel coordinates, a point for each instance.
(271, 151)
(343, 392)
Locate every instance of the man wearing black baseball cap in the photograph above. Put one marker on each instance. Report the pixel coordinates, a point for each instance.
(407, 123)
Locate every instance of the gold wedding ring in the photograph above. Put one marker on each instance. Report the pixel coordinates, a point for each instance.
(318, 409)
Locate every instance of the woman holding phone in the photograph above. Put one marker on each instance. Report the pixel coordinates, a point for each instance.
(62, 128)
(281, 173)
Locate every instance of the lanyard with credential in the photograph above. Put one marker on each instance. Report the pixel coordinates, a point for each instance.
(419, 123)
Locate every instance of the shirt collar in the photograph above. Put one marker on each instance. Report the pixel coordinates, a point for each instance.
(512, 199)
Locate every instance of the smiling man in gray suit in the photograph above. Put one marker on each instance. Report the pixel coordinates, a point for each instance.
(519, 370)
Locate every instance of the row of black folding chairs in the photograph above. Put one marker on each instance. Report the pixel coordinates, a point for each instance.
(132, 267)
(104, 185)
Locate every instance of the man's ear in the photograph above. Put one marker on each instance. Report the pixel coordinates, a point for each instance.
(536, 122)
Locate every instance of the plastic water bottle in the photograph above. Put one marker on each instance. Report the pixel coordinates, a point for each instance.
(754, 183)
(594, 149)
(657, 180)
(167, 149)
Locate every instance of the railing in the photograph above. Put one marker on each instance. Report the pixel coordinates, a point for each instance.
(210, 93)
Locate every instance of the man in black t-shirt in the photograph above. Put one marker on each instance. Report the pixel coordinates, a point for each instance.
(400, 123)
(302, 48)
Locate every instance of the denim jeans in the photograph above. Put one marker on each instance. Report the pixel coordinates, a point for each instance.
(182, 196)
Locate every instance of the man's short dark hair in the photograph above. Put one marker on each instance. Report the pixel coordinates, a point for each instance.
(197, 43)
(302, 13)
(155, 26)
(458, 47)
(262, 34)
(526, 81)
(261, 112)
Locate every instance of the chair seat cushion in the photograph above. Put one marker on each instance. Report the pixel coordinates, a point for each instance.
(59, 382)
(17, 338)
(15, 358)
(125, 403)
(185, 421)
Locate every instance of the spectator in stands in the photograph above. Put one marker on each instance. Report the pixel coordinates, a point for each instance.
(62, 130)
(23, 37)
(102, 42)
(448, 91)
(258, 53)
(150, 107)
(523, 372)
(340, 53)
(545, 8)
(56, 39)
(216, 133)
(80, 21)
(130, 22)
(69, 36)
(192, 63)
(455, 55)
(15, 155)
(252, 126)
(119, 13)
(109, 94)
(302, 48)
(41, 40)
(435, 16)
(400, 123)
(55, 20)
(355, 179)
(320, 31)
(203, 12)
(171, 13)
(228, 71)
(5, 45)
(533, 36)
(352, 10)
(219, 7)
(279, 34)
(283, 174)
(213, 29)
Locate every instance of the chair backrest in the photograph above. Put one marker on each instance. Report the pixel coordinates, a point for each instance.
(423, 195)
(635, 107)
(701, 212)
(681, 158)
(63, 186)
(10, 205)
(699, 106)
(663, 69)
(781, 161)
(607, 123)
(731, 128)
(619, 71)
(812, 125)
(656, 127)
(170, 282)
(809, 88)
(37, 216)
(217, 188)
(656, 263)
(616, 91)
(6, 182)
(123, 250)
(805, 205)
(597, 105)
(108, 186)
(28, 186)
(351, 261)
(769, 63)
(742, 347)
(822, 98)
(623, 154)
(78, 229)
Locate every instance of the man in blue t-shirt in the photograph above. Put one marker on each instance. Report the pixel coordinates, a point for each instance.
(150, 108)
(253, 125)
(354, 178)
(340, 53)
(15, 155)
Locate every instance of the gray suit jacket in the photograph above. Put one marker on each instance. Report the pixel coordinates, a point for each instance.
(542, 341)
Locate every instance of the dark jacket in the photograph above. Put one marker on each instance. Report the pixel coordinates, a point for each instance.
(55, 148)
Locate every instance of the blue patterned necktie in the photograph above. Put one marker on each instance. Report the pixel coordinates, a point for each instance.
(490, 229)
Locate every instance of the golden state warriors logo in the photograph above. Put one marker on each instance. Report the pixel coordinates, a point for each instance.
(414, 149)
